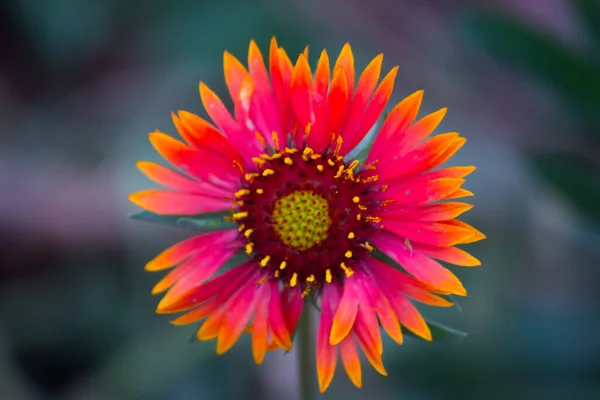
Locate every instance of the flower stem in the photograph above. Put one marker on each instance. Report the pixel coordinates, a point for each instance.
(305, 353)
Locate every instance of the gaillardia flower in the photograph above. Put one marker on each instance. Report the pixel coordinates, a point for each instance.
(358, 237)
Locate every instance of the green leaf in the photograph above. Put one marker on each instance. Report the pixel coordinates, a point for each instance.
(204, 222)
(438, 331)
(574, 177)
(589, 14)
(539, 56)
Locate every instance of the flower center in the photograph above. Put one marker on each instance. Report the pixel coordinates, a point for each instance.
(306, 217)
(301, 219)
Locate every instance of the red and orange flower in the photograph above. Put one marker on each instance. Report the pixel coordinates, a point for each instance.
(307, 218)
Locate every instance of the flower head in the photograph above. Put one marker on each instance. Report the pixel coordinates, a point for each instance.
(307, 219)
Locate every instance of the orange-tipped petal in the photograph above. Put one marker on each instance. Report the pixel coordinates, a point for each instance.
(301, 92)
(364, 89)
(277, 324)
(452, 255)
(431, 213)
(337, 102)
(166, 202)
(238, 315)
(476, 235)
(421, 129)
(420, 266)
(326, 353)
(169, 178)
(409, 316)
(196, 314)
(351, 361)
(235, 73)
(345, 313)
(368, 346)
(345, 62)
(459, 194)
(260, 326)
(396, 123)
(378, 102)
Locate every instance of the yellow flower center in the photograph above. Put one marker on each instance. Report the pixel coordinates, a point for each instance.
(301, 219)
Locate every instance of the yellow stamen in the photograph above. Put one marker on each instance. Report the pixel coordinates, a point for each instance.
(288, 161)
(339, 172)
(268, 172)
(249, 177)
(290, 150)
(275, 140)
(241, 227)
(265, 261)
(259, 191)
(311, 278)
(241, 193)
(328, 275)
(373, 219)
(348, 271)
(276, 274)
(351, 235)
(261, 139)
(384, 188)
(348, 254)
(248, 233)
(320, 168)
(352, 165)
(282, 265)
(237, 164)
(361, 207)
(368, 246)
(240, 215)
(355, 199)
(249, 247)
(372, 178)
(307, 130)
(294, 280)
(331, 163)
(258, 161)
(338, 145)
(358, 217)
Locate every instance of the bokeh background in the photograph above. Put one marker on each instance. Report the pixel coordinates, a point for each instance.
(83, 81)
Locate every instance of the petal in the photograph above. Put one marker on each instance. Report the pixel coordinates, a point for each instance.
(280, 80)
(237, 318)
(452, 255)
(319, 137)
(174, 180)
(378, 102)
(276, 320)
(223, 285)
(409, 316)
(196, 314)
(183, 250)
(337, 102)
(260, 327)
(206, 139)
(421, 129)
(364, 89)
(418, 265)
(292, 305)
(420, 159)
(326, 353)
(345, 62)
(346, 312)
(421, 190)
(166, 202)
(368, 345)
(194, 271)
(456, 224)
(382, 307)
(302, 92)
(235, 73)
(351, 361)
(189, 160)
(430, 213)
(396, 124)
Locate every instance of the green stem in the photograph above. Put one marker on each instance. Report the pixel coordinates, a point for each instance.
(305, 354)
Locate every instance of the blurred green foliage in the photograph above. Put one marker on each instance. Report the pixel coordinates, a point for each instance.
(573, 75)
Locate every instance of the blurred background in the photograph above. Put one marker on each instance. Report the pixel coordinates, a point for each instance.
(83, 81)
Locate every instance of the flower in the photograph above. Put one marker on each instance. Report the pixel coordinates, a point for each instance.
(308, 219)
